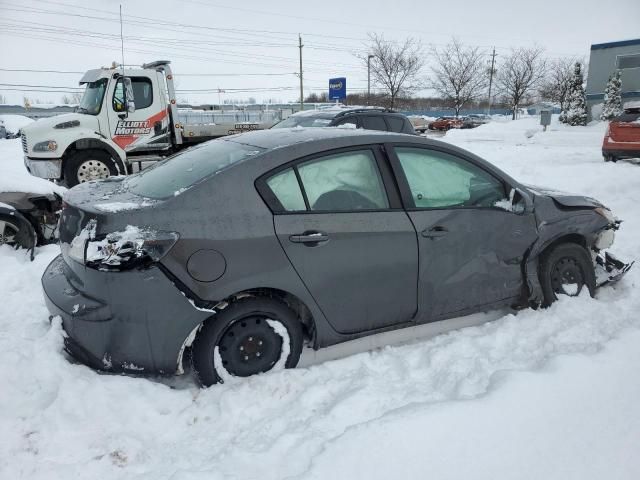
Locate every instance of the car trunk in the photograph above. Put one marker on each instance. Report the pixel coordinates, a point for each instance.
(625, 128)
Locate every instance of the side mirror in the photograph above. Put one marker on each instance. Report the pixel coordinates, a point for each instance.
(128, 89)
(521, 201)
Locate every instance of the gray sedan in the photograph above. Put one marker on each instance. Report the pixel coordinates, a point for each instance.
(238, 252)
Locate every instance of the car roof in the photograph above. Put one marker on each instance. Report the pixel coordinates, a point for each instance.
(334, 110)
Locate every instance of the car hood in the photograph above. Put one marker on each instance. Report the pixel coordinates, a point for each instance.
(564, 198)
(47, 125)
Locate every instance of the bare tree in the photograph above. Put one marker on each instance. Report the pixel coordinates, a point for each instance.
(520, 72)
(557, 84)
(459, 73)
(394, 66)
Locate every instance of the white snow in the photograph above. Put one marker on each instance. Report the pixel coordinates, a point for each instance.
(281, 330)
(548, 394)
(14, 176)
(13, 123)
(114, 207)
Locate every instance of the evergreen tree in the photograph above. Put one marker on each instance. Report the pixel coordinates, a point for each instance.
(576, 109)
(612, 106)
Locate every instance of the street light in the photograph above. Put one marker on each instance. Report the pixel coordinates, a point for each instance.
(369, 78)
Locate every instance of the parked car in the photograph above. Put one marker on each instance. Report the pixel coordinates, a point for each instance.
(28, 219)
(445, 123)
(622, 138)
(420, 124)
(247, 248)
(370, 118)
(475, 120)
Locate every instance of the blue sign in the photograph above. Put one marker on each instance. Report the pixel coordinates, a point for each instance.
(337, 88)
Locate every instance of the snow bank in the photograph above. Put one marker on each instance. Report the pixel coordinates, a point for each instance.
(14, 176)
(548, 394)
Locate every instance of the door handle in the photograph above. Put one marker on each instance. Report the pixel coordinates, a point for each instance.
(435, 232)
(309, 238)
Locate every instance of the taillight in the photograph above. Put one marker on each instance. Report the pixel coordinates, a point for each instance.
(133, 247)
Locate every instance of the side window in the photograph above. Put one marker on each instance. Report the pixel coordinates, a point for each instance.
(285, 187)
(437, 180)
(373, 122)
(344, 181)
(353, 120)
(142, 94)
(395, 124)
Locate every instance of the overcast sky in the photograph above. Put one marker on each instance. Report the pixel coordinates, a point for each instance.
(252, 38)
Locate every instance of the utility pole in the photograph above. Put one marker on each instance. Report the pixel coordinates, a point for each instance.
(301, 90)
(493, 60)
(369, 78)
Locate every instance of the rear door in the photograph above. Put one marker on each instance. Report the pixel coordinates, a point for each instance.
(340, 222)
(471, 244)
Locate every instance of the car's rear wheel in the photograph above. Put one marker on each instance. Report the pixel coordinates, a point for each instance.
(610, 158)
(566, 270)
(251, 336)
(86, 165)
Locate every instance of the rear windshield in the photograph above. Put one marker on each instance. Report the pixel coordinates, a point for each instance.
(172, 176)
(305, 121)
(627, 117)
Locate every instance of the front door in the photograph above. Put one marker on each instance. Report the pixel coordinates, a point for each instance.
(356, 254)
(472, 244)
(147, 128)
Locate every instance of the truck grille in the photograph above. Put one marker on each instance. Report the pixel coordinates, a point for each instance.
(24, 142)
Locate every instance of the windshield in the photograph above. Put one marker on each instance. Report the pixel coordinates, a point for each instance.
(305, 121)
(175, 174)
(91, 102)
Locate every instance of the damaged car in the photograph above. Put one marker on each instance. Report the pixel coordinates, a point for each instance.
(28, 219)
(244, 250)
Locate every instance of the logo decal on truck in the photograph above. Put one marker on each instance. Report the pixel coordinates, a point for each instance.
(129, 127)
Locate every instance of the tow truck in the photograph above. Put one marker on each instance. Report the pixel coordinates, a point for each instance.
(127, 116)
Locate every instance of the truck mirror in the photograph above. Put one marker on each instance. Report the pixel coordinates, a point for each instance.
(131, 105)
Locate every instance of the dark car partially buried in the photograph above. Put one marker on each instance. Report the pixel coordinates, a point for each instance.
(247, 248)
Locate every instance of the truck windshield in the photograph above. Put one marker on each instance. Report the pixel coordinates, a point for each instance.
(172, 176)
(91, 102)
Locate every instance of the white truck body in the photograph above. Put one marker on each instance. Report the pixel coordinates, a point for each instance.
(109, 132)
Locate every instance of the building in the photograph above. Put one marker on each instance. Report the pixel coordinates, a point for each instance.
(605, 58)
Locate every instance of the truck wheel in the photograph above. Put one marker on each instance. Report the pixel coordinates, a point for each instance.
(85, 165)
(250, 336)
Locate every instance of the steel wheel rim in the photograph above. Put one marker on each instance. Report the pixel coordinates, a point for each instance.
(249, 346)
(8, 233)
(567, 272)
(93, 170)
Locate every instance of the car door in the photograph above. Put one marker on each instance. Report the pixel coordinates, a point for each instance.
(471, 242)
(145, 128)
(344, 230)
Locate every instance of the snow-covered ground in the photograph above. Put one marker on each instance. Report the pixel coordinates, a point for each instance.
(550, 394)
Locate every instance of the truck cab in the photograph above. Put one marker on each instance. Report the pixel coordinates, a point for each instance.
(126, 115)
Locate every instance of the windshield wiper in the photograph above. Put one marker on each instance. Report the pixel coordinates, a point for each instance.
(81, 110)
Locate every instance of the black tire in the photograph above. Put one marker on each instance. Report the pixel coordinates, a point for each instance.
(247, 344)
(85, 165)
(566, 270)
(610, 158)
(16, 231)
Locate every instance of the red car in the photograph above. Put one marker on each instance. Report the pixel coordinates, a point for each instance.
(622, 138)
(446, 123)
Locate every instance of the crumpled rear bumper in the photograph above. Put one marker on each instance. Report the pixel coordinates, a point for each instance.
(609, 269)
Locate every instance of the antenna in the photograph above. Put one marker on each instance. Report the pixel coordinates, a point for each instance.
(124, 89)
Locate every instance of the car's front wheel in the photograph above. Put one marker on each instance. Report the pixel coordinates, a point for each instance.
(566, 270)
(252, 335)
